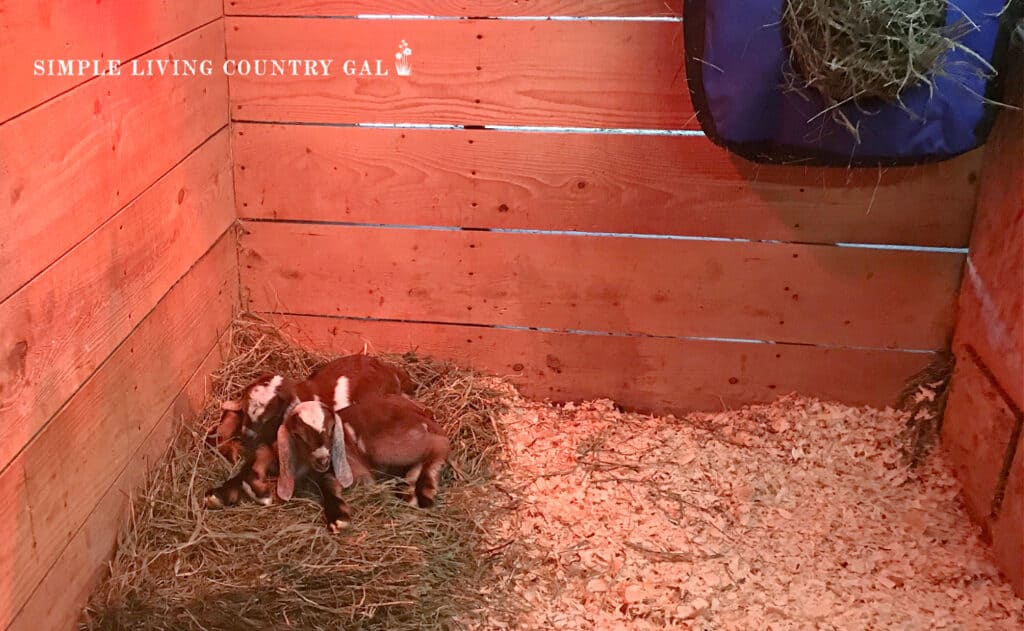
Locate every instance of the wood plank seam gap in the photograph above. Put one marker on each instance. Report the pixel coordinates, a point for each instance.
(455, 18)
(128, 463)
(114, 351)
(619, 235)
(236, 225)
(71, 249)
(589, 333)
(537, 129)
(125, 61)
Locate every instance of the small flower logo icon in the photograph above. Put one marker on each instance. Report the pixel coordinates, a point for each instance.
(403, 66)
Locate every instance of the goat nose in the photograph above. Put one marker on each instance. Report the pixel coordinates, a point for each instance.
(321, 465)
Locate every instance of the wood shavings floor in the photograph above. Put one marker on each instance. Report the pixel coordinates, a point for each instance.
(795, 515)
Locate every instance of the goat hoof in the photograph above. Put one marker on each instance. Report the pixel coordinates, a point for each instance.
(212, 501)
(338, 525)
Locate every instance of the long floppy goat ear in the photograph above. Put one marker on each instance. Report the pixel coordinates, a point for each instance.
(342, 470)
(285, 464)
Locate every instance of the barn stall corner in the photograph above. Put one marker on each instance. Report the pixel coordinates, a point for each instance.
(661, 314)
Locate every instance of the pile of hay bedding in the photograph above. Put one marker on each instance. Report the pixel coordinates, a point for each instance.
(179, 566)
(799, 514)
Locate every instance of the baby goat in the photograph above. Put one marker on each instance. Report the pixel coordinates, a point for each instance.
(352, 378)
(247, 431)
(392, 435)
(381, 435)
(253, 417)
(310, 443)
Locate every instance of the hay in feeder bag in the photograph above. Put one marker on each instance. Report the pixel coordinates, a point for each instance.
(866, 49)
(847, 82)
(180, 566)
(870, 49)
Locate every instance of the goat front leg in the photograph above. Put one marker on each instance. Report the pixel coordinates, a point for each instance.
(229, 493)
(336, 511)
(254, 480)
(429, 475)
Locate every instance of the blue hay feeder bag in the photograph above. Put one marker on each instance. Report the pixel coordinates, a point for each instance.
(737, 61)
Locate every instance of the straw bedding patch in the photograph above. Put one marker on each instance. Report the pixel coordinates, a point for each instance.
(924, 399)
(179, 566)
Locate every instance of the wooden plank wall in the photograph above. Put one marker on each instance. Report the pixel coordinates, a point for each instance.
(476, 210)
(119, 279)
(984, 419)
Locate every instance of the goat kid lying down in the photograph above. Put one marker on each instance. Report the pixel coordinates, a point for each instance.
(253, 418)
(247, 431)
(388, 435)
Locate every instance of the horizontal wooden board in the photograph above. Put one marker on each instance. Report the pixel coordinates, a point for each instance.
(589, 182)
(782, 292)
(72, 29)
(59, 479)
(647, 374)
(56, 330)
(58, 600)
(468, 72)
(470, 8)
(70, 165)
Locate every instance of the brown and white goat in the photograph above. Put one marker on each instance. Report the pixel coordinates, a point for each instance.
(352, 378)
(254, 417)
(393, 435)
(247, 431)
(308, 446)
(387, 435)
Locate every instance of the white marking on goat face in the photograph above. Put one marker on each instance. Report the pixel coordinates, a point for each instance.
(261, 396)
(341, 394)
(311, 413)
(321, 452)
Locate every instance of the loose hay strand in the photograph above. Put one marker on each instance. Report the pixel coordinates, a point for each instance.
(179, 566)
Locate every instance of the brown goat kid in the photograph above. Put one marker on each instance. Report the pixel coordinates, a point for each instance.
(311, 444)
(392, 435)
(388, 435)
(246, 433)
(253, 418)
